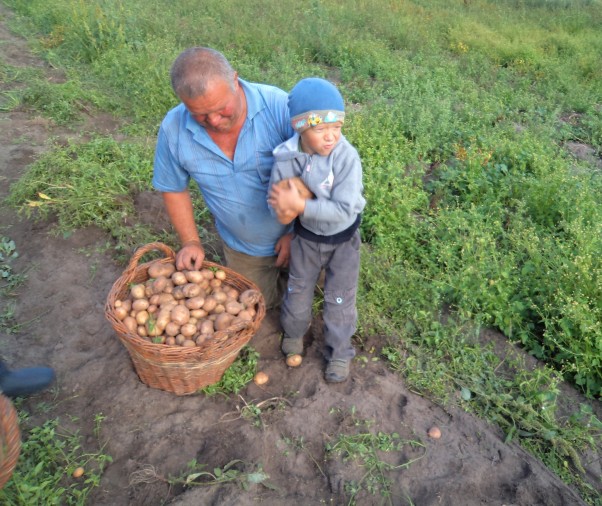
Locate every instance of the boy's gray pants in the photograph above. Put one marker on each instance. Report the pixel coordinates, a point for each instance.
(341, 263)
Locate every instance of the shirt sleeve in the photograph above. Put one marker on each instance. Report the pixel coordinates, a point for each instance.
(168, 174)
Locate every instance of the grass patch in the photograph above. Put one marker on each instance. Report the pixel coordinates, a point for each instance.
(49, 455)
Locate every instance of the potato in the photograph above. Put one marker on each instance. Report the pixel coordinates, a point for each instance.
(219, 309)
(159, 284)
(163, 318)
(180, 339)
(125, 304)
(303, 190)
(131, 324)
(120, 312)
(209, 304)
(195, 302)
(201, 339)
(198, 313)
(294, 360)
(138, 291)
(165, 297)
(142, 317)
(219, 274)
(250, 297)
(188, 343)
(194, 276)
(188, 330)
(245, 315)
(206, 327)
(207, 273)
(191, 290)
(231, 292)
(159, 268)
(219, 295)
(140, 305)
(233, 307)
(172, 329)
(178, 292)
(260, 378)
(223, 321)
(180, 314)
(170, 341)
(434, 432)
(78, 473)
(178, 278)
(141, 331)
(215, 283)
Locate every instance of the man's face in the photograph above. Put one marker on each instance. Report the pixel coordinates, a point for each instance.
(321, 139)
(219, 109)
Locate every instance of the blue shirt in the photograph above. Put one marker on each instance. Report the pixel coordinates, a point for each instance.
(235, 191)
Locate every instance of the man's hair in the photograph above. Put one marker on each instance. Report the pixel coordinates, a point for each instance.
(195, 68)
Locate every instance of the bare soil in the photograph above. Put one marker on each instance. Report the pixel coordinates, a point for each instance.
(153, 434)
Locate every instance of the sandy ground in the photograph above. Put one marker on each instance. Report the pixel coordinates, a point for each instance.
(61, 307)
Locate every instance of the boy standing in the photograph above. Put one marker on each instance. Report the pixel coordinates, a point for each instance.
(326, 229)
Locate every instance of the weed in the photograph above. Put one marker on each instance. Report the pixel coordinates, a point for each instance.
(253, 411)
(237, 376)
(195, 475)
(49, 455)
(368, 450)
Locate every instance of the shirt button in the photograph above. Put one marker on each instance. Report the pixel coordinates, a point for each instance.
(339, 300)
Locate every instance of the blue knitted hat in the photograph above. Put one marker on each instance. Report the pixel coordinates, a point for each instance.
(313, 101)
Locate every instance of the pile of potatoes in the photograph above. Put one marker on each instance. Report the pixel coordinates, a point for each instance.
(184, 308)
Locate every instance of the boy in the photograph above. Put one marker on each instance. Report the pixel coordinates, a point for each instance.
(326, 227)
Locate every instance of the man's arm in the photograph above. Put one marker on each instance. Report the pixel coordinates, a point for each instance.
(180, 211)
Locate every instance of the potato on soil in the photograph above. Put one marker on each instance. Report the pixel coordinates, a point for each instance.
(261, 378)
(294, 360)
(434, 432)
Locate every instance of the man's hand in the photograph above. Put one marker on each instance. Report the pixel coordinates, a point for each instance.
(190, 257)
(283, 250)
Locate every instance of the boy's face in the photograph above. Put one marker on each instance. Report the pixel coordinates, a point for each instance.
(321, 139)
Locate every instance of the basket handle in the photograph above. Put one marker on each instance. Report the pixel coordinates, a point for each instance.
(143, 250)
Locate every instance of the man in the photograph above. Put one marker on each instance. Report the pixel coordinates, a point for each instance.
(222, 135)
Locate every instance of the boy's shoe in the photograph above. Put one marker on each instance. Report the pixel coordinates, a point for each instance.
(337, 370)
(291, 346)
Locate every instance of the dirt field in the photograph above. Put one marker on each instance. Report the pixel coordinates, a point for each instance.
(63, 302)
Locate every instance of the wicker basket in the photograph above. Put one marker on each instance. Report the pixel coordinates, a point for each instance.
(173, 368)
(10, 439)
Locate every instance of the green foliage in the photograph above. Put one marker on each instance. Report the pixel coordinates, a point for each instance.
(369, 450)
(49, 455)
(84, 184)
(237, 376)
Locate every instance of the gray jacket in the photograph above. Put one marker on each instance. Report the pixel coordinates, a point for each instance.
(335, 180)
